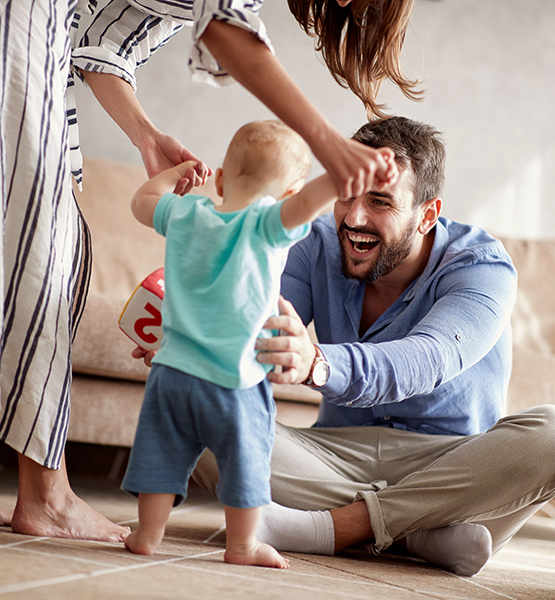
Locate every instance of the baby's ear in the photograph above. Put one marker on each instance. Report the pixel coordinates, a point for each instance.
(293, 189)
(219, 182)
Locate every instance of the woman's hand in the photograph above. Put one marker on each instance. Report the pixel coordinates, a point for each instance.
(354, 167)
(293, 350)
(160, 152)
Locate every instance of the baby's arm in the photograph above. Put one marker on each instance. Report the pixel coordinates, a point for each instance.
(146, 197)
(317, 195)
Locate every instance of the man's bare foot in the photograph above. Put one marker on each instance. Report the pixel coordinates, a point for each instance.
(5, 518)
(48, 507)
(257, 554)
(139, 543)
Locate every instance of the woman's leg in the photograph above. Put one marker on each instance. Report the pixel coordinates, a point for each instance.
(45, 264)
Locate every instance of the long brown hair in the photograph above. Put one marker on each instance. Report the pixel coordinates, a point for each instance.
(361, 44)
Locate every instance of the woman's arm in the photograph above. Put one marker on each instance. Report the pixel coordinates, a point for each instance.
(317, 196)
(158, 150)
(352, 166)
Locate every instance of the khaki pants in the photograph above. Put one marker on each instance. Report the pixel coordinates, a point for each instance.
(410, 481)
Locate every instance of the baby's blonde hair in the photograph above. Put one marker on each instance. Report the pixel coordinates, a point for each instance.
(267, 151)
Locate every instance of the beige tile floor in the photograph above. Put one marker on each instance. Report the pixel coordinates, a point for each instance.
(189, 563)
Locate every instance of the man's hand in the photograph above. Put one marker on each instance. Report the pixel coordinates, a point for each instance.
(293, 350)
(147, 355)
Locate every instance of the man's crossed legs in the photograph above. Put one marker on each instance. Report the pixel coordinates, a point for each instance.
(451, 500)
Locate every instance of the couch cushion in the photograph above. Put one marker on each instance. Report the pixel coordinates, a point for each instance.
(532, 380)
(533, 318)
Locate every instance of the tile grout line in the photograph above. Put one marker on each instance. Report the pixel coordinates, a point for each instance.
(431, 594)
(215, 534)
(18, 587)
(289, 584)
(23, 542)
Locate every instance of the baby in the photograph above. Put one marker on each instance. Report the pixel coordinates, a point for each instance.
(222, 279)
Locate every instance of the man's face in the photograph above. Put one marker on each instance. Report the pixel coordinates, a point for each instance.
(377, 231)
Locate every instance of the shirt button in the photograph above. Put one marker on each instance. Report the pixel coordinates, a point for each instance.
(349, 403)
(458, 337)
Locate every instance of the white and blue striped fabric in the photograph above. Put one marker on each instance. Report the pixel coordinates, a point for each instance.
(124, 34)
(46, 253)
(45, 259)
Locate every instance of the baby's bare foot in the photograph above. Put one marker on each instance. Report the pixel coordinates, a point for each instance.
(259, 554)
(139, 543)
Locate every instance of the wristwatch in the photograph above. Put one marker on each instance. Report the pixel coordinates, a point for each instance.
(319, 371)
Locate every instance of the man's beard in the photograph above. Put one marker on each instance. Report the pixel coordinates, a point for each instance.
(389, 258)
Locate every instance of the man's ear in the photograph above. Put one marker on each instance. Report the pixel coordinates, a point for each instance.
(430, 214)
(219, 182)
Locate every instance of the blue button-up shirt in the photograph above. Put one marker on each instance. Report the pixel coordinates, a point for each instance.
(438, 360)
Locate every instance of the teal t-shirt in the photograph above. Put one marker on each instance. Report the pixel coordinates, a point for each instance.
(222, 282)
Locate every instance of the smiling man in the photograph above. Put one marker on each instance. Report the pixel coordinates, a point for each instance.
(412, 313)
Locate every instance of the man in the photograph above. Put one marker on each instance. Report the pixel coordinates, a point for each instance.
(412, 313)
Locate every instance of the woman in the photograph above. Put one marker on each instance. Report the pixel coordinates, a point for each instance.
(44, 269)
(360, 42)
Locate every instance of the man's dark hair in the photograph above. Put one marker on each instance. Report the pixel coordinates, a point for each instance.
(416, 145)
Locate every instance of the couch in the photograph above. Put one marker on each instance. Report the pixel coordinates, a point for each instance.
(108, 383)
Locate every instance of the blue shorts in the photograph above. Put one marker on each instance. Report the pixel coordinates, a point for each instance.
(181, 416)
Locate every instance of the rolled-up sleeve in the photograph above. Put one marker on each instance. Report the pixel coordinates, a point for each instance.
(235, 12)
(468, 317)
(125, 33)
(121, 38)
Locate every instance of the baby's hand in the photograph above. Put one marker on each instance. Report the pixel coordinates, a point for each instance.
(190, 180)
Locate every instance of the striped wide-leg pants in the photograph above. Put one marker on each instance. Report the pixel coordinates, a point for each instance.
(45, 258)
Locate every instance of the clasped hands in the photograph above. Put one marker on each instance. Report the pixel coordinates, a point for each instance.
(293, 350)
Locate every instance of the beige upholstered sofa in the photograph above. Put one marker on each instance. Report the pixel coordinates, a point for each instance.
(108, 383)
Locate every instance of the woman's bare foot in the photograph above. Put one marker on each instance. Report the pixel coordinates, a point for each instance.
(5, 518)
(67, 517)
(139, 543)
(48, 507)
(257, 554)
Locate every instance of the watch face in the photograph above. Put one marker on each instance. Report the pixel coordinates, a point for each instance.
(320, 373)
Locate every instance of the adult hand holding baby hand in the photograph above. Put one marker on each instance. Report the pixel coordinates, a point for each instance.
(160, 151)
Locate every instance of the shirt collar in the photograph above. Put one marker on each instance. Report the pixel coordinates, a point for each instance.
(440, 239)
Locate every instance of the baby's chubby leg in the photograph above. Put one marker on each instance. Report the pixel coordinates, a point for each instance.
(154, 511)
(242, 546)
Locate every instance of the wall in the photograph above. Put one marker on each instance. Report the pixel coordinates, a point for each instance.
(488, 71)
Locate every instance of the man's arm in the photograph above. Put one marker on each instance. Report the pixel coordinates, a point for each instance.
(463, 325)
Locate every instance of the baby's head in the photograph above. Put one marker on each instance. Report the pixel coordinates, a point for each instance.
(269, 156)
